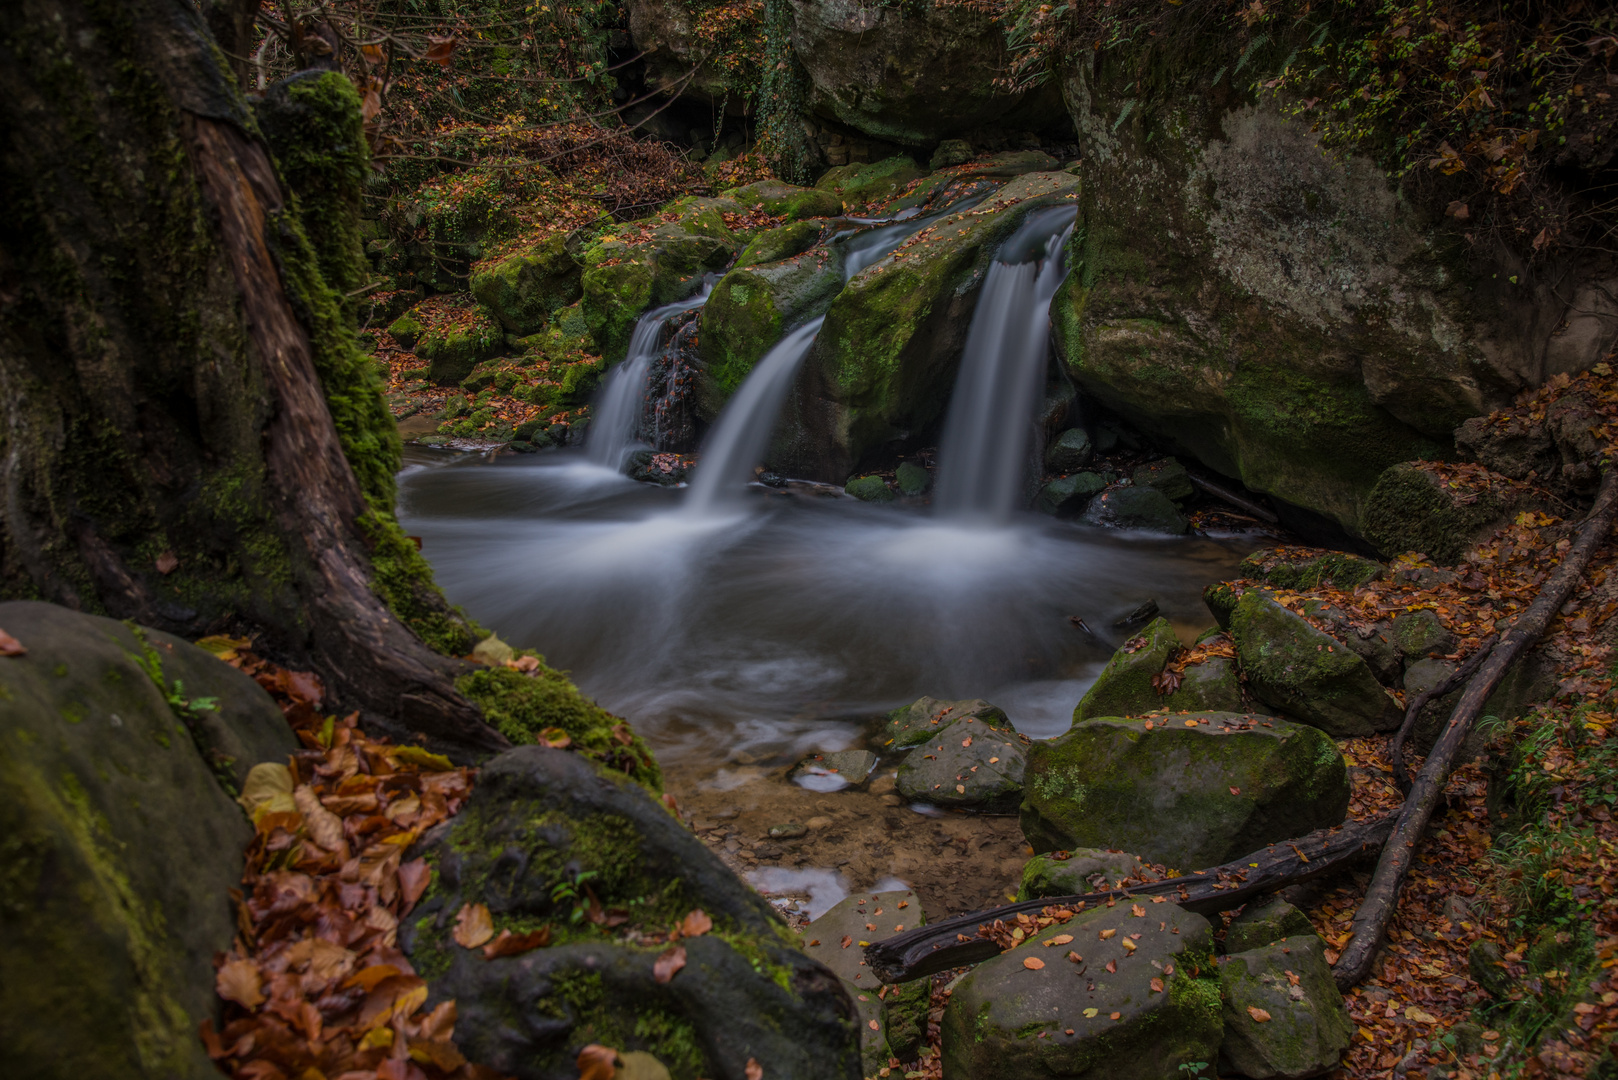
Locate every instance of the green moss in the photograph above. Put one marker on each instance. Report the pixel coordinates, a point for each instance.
(404, 581)
(614, 297)
(1124, 687)
(582, 997)
(773, 245)
(1410, 511)
(523, 706)
(1337, 568)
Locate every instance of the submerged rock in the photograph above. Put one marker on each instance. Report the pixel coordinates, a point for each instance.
(1284, 1016)
(1069, 495)
(539, 819)
(910, 725)
(1074, 873)
(1307, 673)
(1189, 791)
(966, 765)
(119, 842)
(1156, 1010)
(1136, 508)
(1124, 687)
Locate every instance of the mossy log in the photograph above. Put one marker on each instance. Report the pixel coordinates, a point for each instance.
(191, 438)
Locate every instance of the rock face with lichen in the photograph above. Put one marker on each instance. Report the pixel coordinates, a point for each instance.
(1188, 791)
(119, 842)
(543, 832)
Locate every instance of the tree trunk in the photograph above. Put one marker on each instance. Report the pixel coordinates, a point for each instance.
(170, 364)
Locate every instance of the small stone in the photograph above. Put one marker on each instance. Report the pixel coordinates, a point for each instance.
(1167, 476)
(912, 478)
(1142, 508)
(869, 489)
(1284, 1016)
(1264, 921)
(1068, 495)
(817, 823)
(1068, 452)
(789, 830)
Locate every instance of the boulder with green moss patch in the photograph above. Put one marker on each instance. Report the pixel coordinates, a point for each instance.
(1411, 509)
(912, 479)
(877, 182)
(1007, 1020)
(1135, 507)
(543, 832)
(1190, 791)
(773, 245)
(869, 489)
(1213, 685)
(753, 307)
(1068, 495)
(863, 917)
(525, 290)
(1074, 873)
(453, 349)
(1263, 921)
(910, 725)
(1124, 687)
(1302, 569)
(966, 766)
(120, 751)
(1293, 666)
(1284, 1016)
(780, 199)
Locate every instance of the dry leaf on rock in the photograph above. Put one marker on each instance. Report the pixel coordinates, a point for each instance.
(668, 963)
(473, 926)
(414, 877)
(509, 944)
(10, 646)
(1033, 963)
(695, 924)
(1258, 1014)
(597, 1062)
(754, 1070)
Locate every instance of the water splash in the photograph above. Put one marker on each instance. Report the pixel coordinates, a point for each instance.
(613, 432)
(987, 432)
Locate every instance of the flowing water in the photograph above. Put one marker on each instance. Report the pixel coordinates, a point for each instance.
(612, 432)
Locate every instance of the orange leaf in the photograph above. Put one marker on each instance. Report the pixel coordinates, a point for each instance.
(167, 563)
(367, 978)
(1033, 963)
(509, 944)
(473, 926)
(439, 52)
(1258, 1014)
(754, 1070)
(1112, 967)
(10, 646)
(414, 877)
(669, 962)
(597, 1062)
(695, 924)
(1157, 986)
(240, 981)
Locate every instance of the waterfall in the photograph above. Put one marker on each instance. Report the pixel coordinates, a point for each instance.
(617, 415)
(742, 433)
(988, 428)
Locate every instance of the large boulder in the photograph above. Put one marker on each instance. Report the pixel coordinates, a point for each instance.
(525, 290)
(1305, 672)
(1074, 873)
(120, 751)
(540, 825)
(1413, 509)
(1139, 1003)
(754, 306)
(1133, 507)
(778, 198)
(870, 184)
(1284, 1016)
(887, 355)
(1285, 315)
(452, 348)
(1124, 687)
(1187, 791)
(837, 939)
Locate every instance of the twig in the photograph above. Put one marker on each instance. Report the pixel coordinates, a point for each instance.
(1371, 921)
(1396, 748)
(1219, 491)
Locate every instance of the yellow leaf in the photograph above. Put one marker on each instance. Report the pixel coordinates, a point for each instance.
(426, 759)
(221, 646)
(1090, 1014)
(378, 1038)
(264, 782)
(473, 926)
(1420, 1017)
(240, 981)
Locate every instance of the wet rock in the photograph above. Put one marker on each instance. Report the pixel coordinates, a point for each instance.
(1211, 686)
(1307, 1027)
(1068, 495)
(966, 765)
(773, 245)
(915, 723)
(1139, 615)
(1124, 687)
(877, 182)
(1413, 510)
(539, 817)
(869, 489)
(912, 479)
(1005, 1020)
(1012, 163)
(950, 152)
(1167, 476)
(1419, 634)
(1074, 873)
(1133, 507)
(837, 940)
(1221, 598)
(752, 308)
(524, 290)
(1190, 791)
(1068, 452)
(780, 199)
(650, 467)
(1307, 673)
(1263, 921)
(833, 772)
(1301, 570)
(119, 842)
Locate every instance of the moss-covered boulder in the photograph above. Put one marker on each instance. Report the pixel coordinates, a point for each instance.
(1263, 921)
(1136, 1013)
(913, 724)
(452, 348)
(1305, 672)
(1074, 873)
(1068, 495)
(773, 245)
(525, 290)
(407, 330)
(912, 479)
(1301, 569)
(1189, 791)
(120, 752)
(1124, 687)
(871, 489)
(872, 184)
(1213, 685)
(1412, 509)
(780, 199)
(966, 766)
(542, 825)
(1221, 599)
(753, 307)
(1134, 507)
(1167, 476)
(1284, 1016)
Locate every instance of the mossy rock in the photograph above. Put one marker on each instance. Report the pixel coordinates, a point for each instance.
(1305, 672)
(1191, 791)
(1069, 452)
(777, 198)
(1412, 510)
(1301, 571)
(950, 152)
(1211, 686)
(1167, 476)
(864, 185)
(1008, 1021)
(1074, 873)
(1010, 163)
(407, 330)
(913, 724)
(1069, 495)
(615, 293)
(912, 479)
(119, 842)
(1133, 507)
(966, 766)
(753, 307)
(1308, 1027)
(1263, 921)
(525, 290)
(773, 245)
(540, 819)
(869, 489)
(1420, 634)
(1221, 599)
(453, 350)
(1124, 687)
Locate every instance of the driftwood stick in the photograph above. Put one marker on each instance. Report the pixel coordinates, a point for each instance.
(1371, 921)
(1219, 491)
(954, 942)
(1396, 749)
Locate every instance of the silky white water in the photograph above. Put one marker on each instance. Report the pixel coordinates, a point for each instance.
(612, 432)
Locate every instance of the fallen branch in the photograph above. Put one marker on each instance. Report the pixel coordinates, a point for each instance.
(953, 942)
(1371, 921)
(1219, 491)
(1396, 749)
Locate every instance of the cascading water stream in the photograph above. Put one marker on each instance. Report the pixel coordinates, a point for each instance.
(617, 414)
(987, 430)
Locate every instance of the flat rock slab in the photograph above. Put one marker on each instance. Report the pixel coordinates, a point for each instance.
(838, 937)
(1154, 1011)
(1188, 791)
(913, 724)
(966, 765)
(1284, 1016)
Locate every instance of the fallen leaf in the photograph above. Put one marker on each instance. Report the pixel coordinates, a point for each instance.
(668, 963)
(1033, 963)
(1060, 939)
(1129, 946)
(1106, 934)
(1157, 986)
(473, 926)
(597, 1062)
(166, 563)
(1235, 791)
(967, 741)
(753, 1070)
(1090, 1014)
(414, 877)
(10, 646)
(1112, 967)
(1116, 1016)
(1420, 1017)
(1258, 1014)
(695, 924)
(324, 827)
(1074, 957)
(847, 941)
(240, 981)
(509, 944)
(1137, 911)
(875, 1026)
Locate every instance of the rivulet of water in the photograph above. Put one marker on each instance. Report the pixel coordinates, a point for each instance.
(617, 413)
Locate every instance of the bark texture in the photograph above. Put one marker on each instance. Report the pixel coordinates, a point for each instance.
(168, 355)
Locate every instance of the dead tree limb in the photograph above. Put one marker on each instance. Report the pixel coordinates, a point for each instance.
(954, 942)
(1371, 921)
(1223, 493)
(1396, 748)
